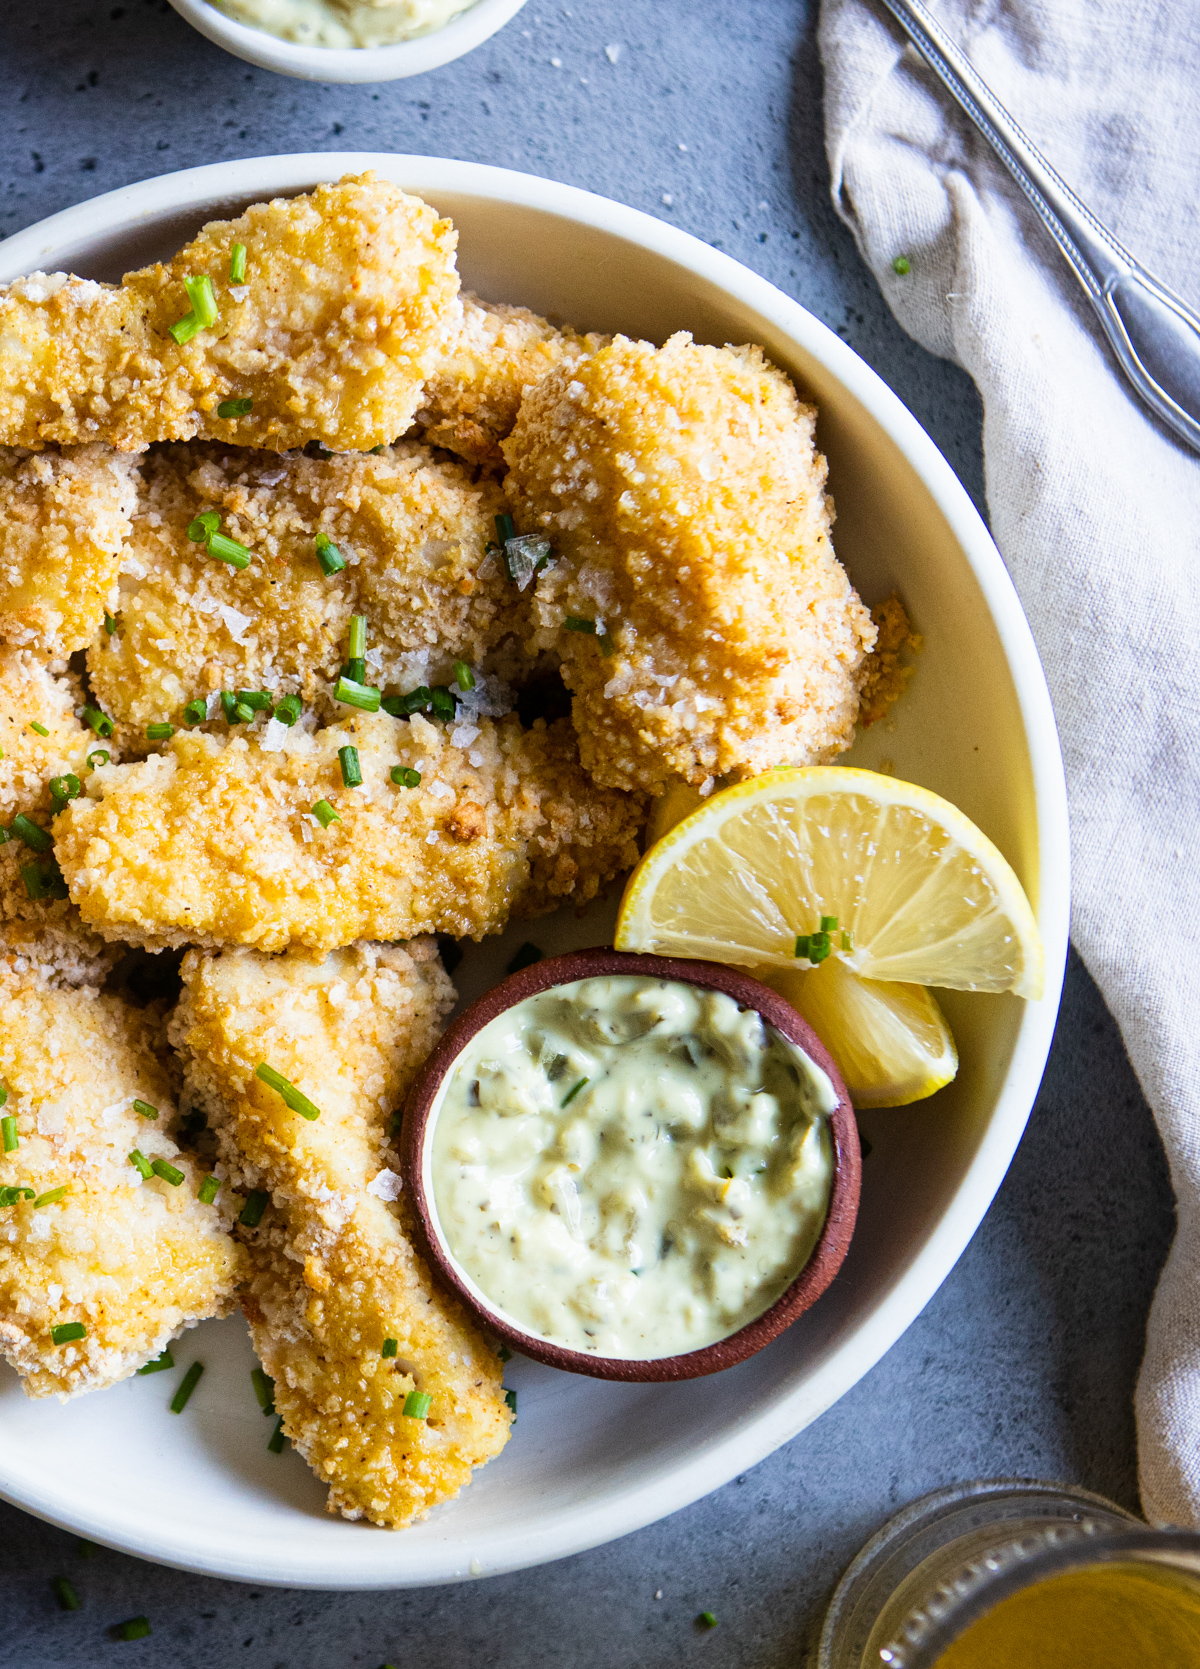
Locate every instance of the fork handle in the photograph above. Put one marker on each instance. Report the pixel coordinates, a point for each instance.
(1154, 335)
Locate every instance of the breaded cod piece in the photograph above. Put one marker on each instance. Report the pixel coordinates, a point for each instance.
(333, 1270)
(38, 926)
(349, 291)
(132, 1261)
(716, 632)
(413, 532)
(474, 392)
(64, 519)
(213, 842)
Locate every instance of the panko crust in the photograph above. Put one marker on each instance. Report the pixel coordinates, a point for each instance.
(474, 392)
(413, 530)
(64, 519)
(685, 499)
(212, 842)
(349, 292)
(333, 1270)
(134, 1261)
(43, 932)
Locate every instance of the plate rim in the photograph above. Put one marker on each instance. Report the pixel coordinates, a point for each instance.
(785, 1412)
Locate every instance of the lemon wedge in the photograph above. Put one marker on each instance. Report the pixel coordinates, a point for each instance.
(922, 895)
(890, 1041)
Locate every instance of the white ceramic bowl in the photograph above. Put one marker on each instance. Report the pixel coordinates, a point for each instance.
(591, 1460)
(368, 63)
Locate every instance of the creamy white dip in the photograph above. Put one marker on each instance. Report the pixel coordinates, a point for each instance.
(344, 22)
(630, 1166)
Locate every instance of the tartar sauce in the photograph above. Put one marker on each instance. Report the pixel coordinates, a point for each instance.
(344, 23)
(630, 1166)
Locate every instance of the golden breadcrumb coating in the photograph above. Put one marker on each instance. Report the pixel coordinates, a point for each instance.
(682, 491)
(334, 1273)
(887, 675)
(348, 293)
(134, 1261)
(473, 393)
(412, 530)
(213, 842)
(64, 518)
(42, 929)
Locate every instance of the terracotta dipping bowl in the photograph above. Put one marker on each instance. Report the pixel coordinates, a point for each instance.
(809, 1283)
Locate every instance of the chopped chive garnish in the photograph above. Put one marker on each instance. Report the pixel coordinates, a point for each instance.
(504, 1353)
(160, 1363)
(204, 526)
(573, 1092)
(351, 769)
(256, 1204)
(160, 732)
(376, 449)
(276, 1440)
(40, 728)
(15, 1192)
(140, 1163)
(847, 941)
(68, 1331)
(325, 814)
(110, 624)
(237, 264)
(100, 756)
(331, 559)
(829, 924)
(510, 1398)
(203, 299)
(44, 880)
(3, 1094)
(404, 776)
(355, 670)
(196, 711)
(389, 1347)
(574, 623)
(706, 1620)
(314, 449)
(416, 1405)
(228, 704)
(404, 706)
(12, 1140)
(257, 700)
(264, 1389)
(228, 550)
(442, 702)
(187, 1385)
(35, 838)
(242, 713)
(208, 1190)
(356, 695)
(169, 1173)
(50, 1197)
(901, 265)
(463, 676)
(505, 527)
(819, 947)
(236, 408)
(524, 958)
(356, 637)
(64, 1593)
(137, 1628)
(184, 329)
(298, 1102)
(98, 721)
(288, 710)
(803, 944)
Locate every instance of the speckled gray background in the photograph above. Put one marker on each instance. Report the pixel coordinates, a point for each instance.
(1025, 1361)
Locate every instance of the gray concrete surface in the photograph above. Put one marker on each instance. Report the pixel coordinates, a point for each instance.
(1025, 1360)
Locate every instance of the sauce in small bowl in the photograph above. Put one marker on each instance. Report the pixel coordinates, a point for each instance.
(631, 1166)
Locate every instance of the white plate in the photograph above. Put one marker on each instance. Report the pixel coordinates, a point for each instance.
(588, 1460)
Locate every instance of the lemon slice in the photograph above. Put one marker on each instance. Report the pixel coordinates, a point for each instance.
(890, 1041)
(924, 896)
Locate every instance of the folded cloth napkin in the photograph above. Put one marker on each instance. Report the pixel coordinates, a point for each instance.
(1094, 505)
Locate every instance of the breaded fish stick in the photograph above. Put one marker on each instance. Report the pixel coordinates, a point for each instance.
(37, 923)
(474, 392)
(705, 625)
(330, 331)
(86, 1241)
(410, 530)
(64, 519)
(334, 1274)
(216, 842)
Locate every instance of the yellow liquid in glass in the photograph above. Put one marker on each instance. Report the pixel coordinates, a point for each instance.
(1118, 1616)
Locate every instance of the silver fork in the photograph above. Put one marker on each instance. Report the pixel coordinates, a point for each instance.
(1154, 335)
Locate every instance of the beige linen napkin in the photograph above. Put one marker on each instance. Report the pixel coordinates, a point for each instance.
(1095, 506)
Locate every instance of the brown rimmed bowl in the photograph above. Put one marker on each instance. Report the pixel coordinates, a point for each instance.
(809, 1283)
